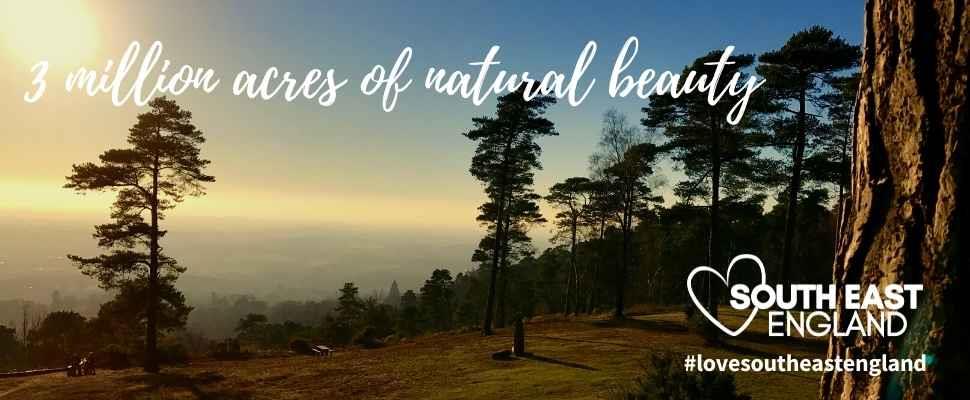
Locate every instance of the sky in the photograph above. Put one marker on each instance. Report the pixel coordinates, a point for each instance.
(350, 164)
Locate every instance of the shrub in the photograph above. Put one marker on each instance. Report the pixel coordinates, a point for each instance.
(700, 325)
(301, 346)
(392, 339)
(113, 356)
(173, 353)
(368, 339)
(337, 332)
(667, 380)
(228, 349)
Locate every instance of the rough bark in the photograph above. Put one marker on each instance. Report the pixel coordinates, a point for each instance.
(493, 280)
(906, 220)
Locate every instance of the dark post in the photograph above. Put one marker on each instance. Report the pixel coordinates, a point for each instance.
(518, 346)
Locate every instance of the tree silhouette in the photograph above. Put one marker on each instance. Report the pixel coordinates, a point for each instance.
(716, 156)
(571, 197)
(393, 297)
(437, 300)
(835, 155)
(161, 167)
(599, 216)
(521, 213)
(795, 76)
(504, 161)
(60, 336)
(407, 324)
(624, 163)
(350, 308)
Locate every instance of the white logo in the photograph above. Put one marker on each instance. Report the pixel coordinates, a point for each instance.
(799, 309)
(754, 310)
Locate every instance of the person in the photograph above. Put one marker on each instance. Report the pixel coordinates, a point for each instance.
(89, 364)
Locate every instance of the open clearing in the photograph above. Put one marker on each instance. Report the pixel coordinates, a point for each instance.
(585, 357)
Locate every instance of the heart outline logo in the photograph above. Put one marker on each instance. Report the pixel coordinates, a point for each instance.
(704, 268)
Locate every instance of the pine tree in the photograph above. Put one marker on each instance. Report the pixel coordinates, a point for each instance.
(521, 213)
(715, 156)
(437, 300)
(504, 161)
(835, 155)
(407, 324)
(393, 295)
(161, 167)
(796, 75)
(350, 309)
(572, 198)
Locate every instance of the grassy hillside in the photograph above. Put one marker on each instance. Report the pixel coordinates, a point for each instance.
(573, 359)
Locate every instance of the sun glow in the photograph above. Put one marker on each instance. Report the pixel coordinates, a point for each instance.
(63, 32)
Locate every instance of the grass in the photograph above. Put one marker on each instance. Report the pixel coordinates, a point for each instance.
(587, 357)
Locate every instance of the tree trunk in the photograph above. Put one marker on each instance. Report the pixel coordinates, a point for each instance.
(151, 326)
(907, 218)
(794, 186)
(496, 250)
(593, 300)
(571, 280)
(844, 168)
(503, 282)
(503, 274)
(621, 273)
(567, 297)
(518, 341)
(713, 248)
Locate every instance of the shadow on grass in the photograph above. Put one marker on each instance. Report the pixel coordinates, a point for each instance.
(744, 350)
(539, 358)
(649, 325)
(192, 383)
(806, 345)
(598, 342)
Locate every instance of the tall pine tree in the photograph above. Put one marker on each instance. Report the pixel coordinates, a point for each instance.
(161, 166)
(571, 197)
(504, 161)
(796, 75)
(716, 156)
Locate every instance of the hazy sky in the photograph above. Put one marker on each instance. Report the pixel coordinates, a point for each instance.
(309, 197)
(352, 162)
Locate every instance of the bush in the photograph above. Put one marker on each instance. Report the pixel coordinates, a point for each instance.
(368, 339)
(337, 332)
(699, 324)
(173, 353)
(392, 339)
(667, 380)
(227, 350)
(301, 346)
(113, 356)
